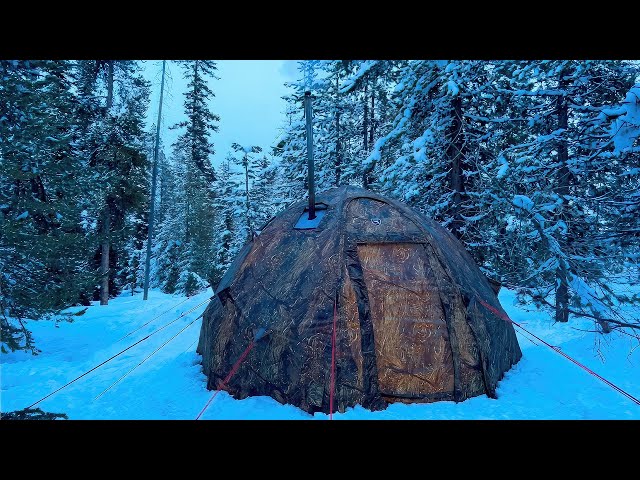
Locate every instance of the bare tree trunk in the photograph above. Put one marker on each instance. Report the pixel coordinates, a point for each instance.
(187, 230)
(372, 123)
(152, 204)
(104, 259)
(365, 120)
(194, 151)
(562, 294)
(109, 84)
(455, 158)
(163, 191)
(338, 164)
(106, 214)
(37, 188)
(562, 189)
(365, 134)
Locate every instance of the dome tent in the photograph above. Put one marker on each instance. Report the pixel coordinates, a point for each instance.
(400, 291)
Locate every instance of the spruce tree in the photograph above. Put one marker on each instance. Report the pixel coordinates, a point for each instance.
(169, 259)
(264, 192)
(43, 267)
(195, 148)
(245, 157)
(113, 98)
(230, 207)
(556, 182)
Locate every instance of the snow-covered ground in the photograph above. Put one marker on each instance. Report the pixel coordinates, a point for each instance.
(170, 385)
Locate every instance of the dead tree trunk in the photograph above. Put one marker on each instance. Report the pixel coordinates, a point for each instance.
(372, 121)
(104, 259)
(365, 136)
(365, 121)
(338, 163)
(152, 204)
(106, 214)
(190, 170)
(562, 190)
(455, 158)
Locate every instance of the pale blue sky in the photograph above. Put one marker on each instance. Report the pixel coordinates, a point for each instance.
(248, 101)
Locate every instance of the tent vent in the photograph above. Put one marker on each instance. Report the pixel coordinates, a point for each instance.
(304, 223)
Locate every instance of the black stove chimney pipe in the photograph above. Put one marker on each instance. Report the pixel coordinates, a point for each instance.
(308, 113)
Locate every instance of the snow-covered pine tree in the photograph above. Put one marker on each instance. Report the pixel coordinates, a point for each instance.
(195, 147)
(334, 122)
(464, 140)
(201, 121)
(43, 267)
(230, 207)
(342, 112)
(134, 248)
(168, 257)
(364, 99)
(264, 192)
(622, 124)
(246, 158)
(555, 182)
(113, 97)
(130, 239)
(135, 236)
(426, 155)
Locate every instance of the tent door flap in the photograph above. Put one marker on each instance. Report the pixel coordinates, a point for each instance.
(413, 353)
